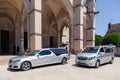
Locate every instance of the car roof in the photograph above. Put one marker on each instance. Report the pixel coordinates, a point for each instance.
(103, 46)
(107, 46)
(52, 48)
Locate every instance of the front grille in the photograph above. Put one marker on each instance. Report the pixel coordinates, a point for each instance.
(82, 63)
(82, 58)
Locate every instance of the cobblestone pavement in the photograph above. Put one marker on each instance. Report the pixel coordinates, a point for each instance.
(64, 72)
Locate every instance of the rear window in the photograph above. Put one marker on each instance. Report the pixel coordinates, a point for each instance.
(59, 51)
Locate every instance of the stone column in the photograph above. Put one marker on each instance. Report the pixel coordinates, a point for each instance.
(59, 41)
(71, 1)
(22, 38)
(91, 22)
(59, 34)
(28, 30)
(16, 37)
(78, 25)
(36, 25)
(72, 39)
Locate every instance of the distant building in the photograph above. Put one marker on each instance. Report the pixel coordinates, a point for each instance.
(113, 28)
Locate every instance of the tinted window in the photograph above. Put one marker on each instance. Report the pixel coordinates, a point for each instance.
(109, 50)
(101, 50)
(59, 51)
(45, 52)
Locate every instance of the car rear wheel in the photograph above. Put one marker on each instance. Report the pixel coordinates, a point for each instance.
(111, 61)
(97, 64)
(64, 61)
(25, 66)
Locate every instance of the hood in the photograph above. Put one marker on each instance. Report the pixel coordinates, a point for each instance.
(19, 57)
(87, 54)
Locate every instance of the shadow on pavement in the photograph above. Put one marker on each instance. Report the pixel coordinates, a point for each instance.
(38, 67)
(81, 66)
(89, 67)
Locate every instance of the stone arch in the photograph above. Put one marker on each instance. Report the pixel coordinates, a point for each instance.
(65, 32)
(11, 13)
(62, 16)
(69, 6)
(6, 30)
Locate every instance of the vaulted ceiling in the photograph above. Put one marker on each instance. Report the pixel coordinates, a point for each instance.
(11, 9)
(54, 11)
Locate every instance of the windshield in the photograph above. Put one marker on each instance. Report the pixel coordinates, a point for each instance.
(90, 50)
(32, 53)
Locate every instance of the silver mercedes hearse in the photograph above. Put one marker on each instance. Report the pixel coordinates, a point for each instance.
(95, 56)
(39, 57)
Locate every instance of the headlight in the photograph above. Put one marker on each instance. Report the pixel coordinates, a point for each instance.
(91, 58)
(16, 61)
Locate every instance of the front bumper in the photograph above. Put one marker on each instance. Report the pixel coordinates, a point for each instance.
(14, 66)
(85, 62)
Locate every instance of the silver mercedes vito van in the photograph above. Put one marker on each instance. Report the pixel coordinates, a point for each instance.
(95, 56)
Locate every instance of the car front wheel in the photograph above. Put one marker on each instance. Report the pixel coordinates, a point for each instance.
(25, 66)
(97, 64)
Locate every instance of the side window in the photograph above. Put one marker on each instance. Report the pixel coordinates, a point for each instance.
(45, 52)
(111, 50)
(108, 50)
(102, 50)
(59, 51)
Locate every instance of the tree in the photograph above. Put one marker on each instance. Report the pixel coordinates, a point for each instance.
(112, 38)
(98, 40)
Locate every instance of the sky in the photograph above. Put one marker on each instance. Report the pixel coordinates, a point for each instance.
(109, 12)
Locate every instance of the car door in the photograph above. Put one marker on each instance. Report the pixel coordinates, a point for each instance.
(54, 59)
(102, 55)
(108, 54)
(45, 57)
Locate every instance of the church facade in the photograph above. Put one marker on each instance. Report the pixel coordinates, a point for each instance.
(37, 24)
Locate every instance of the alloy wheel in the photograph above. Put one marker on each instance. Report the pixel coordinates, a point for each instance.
(25, 66)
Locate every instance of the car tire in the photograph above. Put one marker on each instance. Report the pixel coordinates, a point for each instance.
(64, 61)
(25, 66)
(111, 61)
(97, 64)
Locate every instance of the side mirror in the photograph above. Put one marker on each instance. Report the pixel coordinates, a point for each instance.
(81, 50)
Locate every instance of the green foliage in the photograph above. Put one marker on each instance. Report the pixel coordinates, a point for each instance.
(98, 40)
(112, 38)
